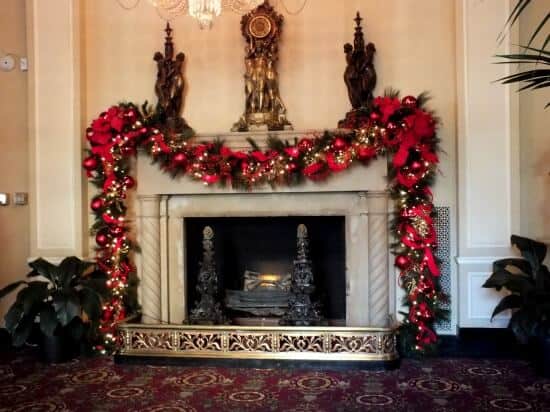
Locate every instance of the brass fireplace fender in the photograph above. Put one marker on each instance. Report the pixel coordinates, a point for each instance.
(259, 342)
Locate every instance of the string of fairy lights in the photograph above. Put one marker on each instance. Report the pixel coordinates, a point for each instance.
(399, 128)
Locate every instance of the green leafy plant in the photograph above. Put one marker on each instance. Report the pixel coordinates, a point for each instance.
(68, 300)
(528, 281)
(538, 75)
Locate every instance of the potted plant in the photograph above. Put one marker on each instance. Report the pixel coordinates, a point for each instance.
(528, 281)
(536, 75)
(62, 301)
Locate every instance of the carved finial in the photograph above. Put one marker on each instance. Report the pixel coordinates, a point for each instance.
(302, 242)
(302, 231)
(207, 308)
(359, 41)
(301, 310)
(168, 31)
(168, 44)
(358, 19)
(208, 233)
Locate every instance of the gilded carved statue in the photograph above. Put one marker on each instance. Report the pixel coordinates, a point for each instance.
(264, 107)
(170, 84)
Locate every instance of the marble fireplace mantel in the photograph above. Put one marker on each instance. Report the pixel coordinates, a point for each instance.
(359, 194)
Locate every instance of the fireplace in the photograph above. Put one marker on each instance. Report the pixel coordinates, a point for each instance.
(357, 288)
(266, 247)
(165, 281)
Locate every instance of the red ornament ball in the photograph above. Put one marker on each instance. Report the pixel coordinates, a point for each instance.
(409, 102)
(129, 182)
(305, 144)
(415, 166)
(374, 116)
(391, 127)
(117, 231)
(402, 261)
(90, 163)
(365, 152)
(101, 238)
(339, 143)
(210, 179)
(96, 204)
(127, 150)
(179, 159)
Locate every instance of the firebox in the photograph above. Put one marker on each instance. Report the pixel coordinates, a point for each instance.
(254, 259)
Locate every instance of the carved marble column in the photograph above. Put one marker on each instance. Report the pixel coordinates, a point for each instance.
(379, 291)
(357, 258)
(150, 258)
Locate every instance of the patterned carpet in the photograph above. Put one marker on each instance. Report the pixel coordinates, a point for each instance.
(97, 384)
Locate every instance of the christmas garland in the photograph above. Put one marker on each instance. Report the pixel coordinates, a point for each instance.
(401, 129)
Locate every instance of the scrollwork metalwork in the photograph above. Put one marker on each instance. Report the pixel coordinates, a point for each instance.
(250, 343)
(220, 341)
(301, 343)
(354, 344)
(151, 341)
(201, 342)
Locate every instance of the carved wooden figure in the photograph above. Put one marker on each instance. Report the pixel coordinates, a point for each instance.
(170, 84)
(360, 75)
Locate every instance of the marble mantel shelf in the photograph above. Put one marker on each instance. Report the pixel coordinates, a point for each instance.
(152, 181)
(239, 140)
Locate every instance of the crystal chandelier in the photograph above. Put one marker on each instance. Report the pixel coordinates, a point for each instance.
(205, 11)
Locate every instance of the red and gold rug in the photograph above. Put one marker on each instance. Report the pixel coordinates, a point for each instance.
(97, 384)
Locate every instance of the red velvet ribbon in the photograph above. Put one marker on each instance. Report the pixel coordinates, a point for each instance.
(400, 158)
(104, 151)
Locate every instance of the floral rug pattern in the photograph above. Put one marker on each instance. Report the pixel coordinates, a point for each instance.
(98, 384)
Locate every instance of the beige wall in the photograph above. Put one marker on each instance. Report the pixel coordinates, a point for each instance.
(415, 52)
(14, 220)
(535, 141)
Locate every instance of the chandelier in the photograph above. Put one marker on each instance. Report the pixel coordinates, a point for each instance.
(206, 10)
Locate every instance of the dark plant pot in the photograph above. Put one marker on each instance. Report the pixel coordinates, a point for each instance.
(544, 368)
(541, 355)
(57, 349)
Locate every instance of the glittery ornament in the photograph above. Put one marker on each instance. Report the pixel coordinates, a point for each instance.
(101, 238)
(409, 102)
(90, 163)
(402, 261)
(96, 204)
(179, 159)
(129, 182)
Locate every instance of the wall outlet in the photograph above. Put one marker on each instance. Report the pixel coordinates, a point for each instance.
(20, 198)
(23, 64)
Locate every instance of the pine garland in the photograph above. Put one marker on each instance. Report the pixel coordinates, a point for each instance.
(401, 129)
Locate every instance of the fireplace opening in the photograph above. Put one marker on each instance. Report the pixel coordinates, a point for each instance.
(264, 249)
